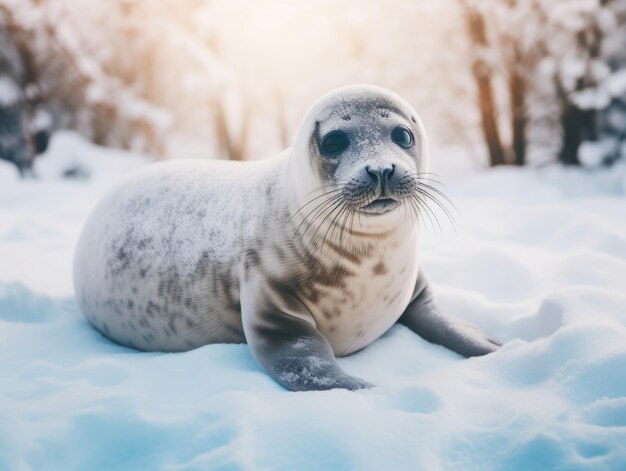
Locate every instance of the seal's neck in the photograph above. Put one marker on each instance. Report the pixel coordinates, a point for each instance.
(327, 226)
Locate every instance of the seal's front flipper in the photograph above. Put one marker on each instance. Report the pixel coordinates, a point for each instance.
(284, 341)
(427, 320)
(300, 359)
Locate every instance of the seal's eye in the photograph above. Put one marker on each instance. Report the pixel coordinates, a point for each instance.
(402, 136)
(334, 143)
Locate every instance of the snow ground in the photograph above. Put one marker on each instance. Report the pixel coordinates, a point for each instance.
(539, 260)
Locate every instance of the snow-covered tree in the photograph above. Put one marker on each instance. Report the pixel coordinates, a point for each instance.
(561, 64)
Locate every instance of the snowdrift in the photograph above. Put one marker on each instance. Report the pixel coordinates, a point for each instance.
(539, 260)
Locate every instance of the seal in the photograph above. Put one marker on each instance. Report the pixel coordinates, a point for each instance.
(306, 256)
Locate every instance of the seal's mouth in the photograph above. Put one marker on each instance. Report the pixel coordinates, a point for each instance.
(380, 206)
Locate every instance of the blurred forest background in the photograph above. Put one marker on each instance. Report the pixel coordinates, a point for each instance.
(515, 82)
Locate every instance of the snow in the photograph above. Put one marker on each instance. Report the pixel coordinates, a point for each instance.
(613, 86)
(9, 92)
(591, 99)
(539, 260)
(616, 83)
(70, 151)
(594, 153)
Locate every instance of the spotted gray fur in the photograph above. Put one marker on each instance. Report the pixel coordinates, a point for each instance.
(278, 254)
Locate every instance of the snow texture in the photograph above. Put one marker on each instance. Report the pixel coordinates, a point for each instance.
(539, 261)
(9, 93)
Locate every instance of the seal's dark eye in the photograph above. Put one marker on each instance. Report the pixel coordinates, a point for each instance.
(402, 136)
(334, 143)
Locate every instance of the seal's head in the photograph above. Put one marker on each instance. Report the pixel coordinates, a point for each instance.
(366, 146)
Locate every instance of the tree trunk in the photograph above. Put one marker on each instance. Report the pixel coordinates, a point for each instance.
(578, 126)
(29, 83)
(482, 76)
(234, 149)
(240, 150)
(221, 129)
(517, 97)
(281, 119)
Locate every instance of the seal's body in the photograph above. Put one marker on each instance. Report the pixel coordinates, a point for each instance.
(306, 256)
(166, 257)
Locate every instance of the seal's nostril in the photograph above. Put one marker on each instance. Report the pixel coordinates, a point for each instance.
(374, 174)
(388, 172)
(380, 175)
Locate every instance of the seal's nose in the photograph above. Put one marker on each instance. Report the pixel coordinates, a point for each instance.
(380, 175)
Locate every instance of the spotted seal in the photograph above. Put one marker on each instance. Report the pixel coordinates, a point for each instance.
(306, 256)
